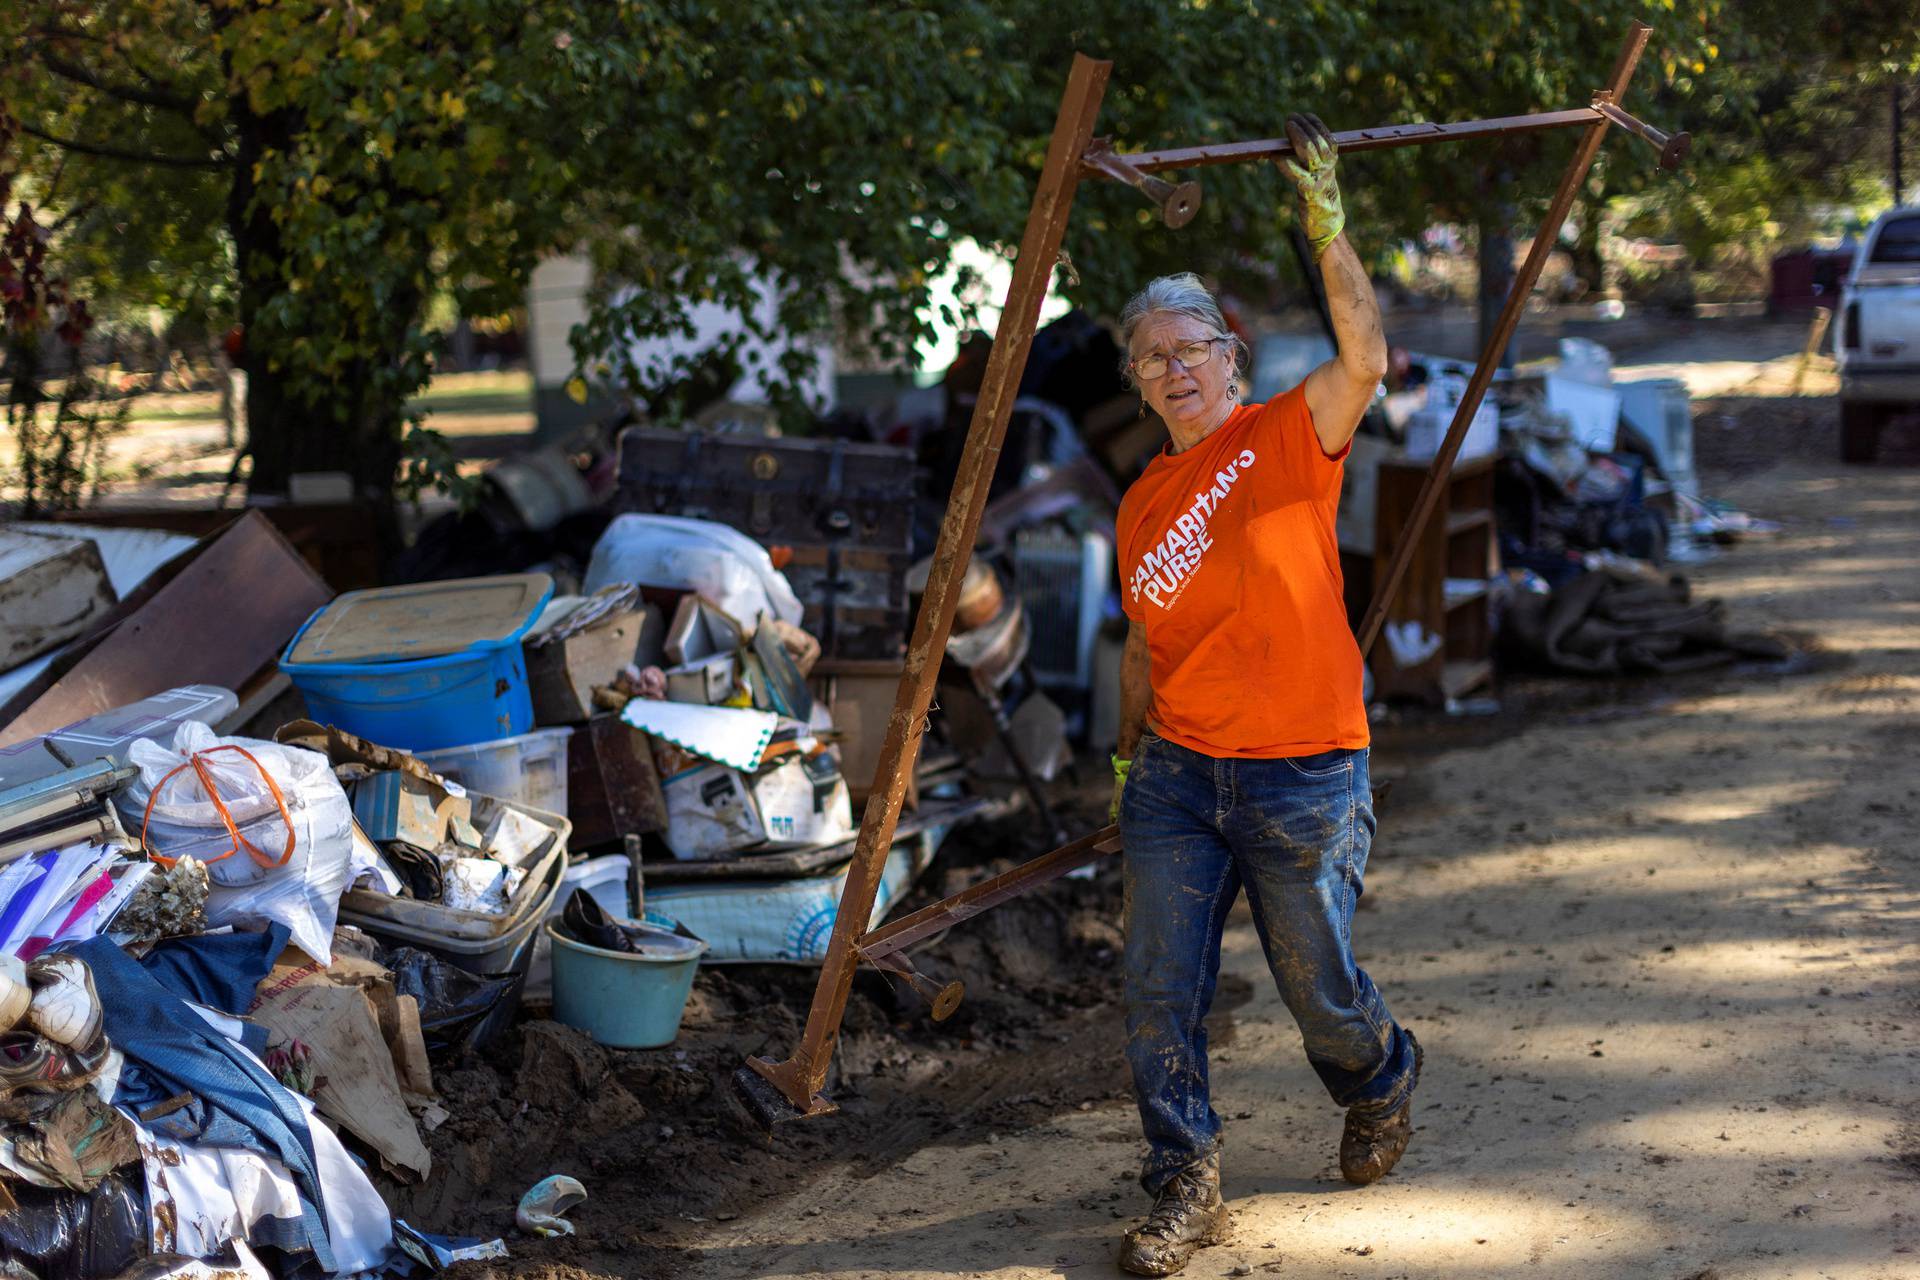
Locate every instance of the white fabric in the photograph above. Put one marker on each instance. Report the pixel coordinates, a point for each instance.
(218, 1193)
(243, 1263)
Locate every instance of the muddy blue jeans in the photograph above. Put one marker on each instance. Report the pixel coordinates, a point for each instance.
(1294, 833)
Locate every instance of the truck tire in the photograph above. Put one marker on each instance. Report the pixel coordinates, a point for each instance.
(1859, 430)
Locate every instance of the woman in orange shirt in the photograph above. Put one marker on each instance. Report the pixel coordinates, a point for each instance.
(1242, 754)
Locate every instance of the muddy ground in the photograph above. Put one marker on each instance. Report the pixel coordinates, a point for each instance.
(1658, 938)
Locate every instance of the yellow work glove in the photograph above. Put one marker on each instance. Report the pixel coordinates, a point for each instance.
(1120, 768)
(1311, 168)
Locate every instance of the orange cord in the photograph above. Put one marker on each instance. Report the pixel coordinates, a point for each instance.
(206, 784)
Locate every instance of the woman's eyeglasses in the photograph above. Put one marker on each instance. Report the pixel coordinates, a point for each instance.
(1192, 356)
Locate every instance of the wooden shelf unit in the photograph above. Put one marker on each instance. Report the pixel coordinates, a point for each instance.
(1458, 543)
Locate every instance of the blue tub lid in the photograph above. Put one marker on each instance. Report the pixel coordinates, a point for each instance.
(423, 620)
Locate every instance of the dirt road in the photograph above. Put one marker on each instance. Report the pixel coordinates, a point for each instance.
(1661, 952)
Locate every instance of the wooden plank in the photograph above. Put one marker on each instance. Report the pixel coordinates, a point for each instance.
(51, 590)
(1463, 521)
(218, 620)
(613, 789)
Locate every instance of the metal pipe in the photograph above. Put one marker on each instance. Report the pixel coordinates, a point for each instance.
(970, 902)
(1177, 204)
(1673, 147)
(1543, 242)
(1382, 138)
(942, 997)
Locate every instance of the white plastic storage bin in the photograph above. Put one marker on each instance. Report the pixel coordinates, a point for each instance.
(1661, 410)
(529, 770)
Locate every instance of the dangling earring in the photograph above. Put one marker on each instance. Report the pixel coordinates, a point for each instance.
(1233, 391)
(1143, 408)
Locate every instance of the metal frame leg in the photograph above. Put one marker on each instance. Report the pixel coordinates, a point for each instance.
(800, 1077)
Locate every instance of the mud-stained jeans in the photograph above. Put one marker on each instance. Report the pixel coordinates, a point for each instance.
(1294, 833)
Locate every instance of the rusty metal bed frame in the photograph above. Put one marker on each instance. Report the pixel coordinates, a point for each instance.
(790, 1089)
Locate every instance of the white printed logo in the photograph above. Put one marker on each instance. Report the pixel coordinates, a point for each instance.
(1164, 572)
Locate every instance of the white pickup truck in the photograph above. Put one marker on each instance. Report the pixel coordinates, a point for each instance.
(1876, 338)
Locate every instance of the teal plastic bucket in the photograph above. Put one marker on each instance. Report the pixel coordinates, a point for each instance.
(624, 1000)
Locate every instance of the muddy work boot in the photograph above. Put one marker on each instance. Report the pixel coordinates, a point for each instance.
(1373, 1143)
(1188, 1214)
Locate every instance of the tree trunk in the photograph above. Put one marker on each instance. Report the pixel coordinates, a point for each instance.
(1496, 280)
(355, 432)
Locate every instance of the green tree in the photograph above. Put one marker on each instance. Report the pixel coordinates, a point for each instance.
(321, 170)
(1793, 134)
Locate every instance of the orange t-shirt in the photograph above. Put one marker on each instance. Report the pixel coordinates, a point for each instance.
(1228, 555)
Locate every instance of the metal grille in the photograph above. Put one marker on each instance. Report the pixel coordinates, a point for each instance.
(1049, 577)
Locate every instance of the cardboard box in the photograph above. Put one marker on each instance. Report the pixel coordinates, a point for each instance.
(367, 1051)
(802, 802)
(399, 806)
(562, 675)
(859, 697)
(708, 681)
(711, 814)
(699, 630)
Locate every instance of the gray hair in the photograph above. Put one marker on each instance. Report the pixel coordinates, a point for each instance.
(1184, 295)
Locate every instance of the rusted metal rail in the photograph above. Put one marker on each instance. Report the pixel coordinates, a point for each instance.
(1072, 155)
(911, 930)
(800, 1077)
(1529, 274)
(1386, 137)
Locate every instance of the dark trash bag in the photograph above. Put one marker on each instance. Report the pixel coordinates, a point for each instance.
(459, 1011)
(76, 1235)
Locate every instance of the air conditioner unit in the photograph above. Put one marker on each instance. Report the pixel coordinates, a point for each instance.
(1062, 578)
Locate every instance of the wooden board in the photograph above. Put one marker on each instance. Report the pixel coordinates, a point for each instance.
(51, 590)
(341, 542)
(218, 620)
(613, 789)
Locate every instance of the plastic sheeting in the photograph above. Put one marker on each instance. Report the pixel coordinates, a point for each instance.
(715, 560)
(69, 1235)
(456, 1007)
(252, 781)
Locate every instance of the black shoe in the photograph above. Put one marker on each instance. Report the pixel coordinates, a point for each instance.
(585, 920)
(1372, 1144)
(1188, 1214)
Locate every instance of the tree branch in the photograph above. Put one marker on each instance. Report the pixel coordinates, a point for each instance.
(80, 210)
(135, 157)
(124, 92)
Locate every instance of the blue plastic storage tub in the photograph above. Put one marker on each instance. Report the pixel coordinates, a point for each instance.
(364, 682)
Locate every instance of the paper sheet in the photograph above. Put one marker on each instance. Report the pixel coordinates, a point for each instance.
(731, 735)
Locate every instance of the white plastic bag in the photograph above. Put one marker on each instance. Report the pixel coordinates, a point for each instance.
(721, 563)
(271, 823)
